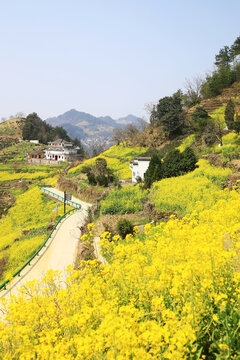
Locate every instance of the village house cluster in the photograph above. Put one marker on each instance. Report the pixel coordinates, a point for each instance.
(56, 151)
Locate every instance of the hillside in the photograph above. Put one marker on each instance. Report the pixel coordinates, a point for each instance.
(213, 104)
(89, 128)
(26, 215)
(11, 131)
(169, 291)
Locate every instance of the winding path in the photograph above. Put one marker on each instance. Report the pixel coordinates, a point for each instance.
(60, 250)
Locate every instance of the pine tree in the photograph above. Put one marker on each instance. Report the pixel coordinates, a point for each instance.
(189, 160)
(153, 172)
(229, 114)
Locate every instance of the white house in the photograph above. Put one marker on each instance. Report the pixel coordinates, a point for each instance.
(61, 150)
(139, 166)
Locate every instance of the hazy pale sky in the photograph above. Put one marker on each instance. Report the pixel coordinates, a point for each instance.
(106, 57)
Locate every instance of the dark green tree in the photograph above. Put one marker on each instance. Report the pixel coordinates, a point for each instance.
(172, 164)
(237, 124)
(101, 166)
(200, 120)
(91, 178)
(189, 160)
(124, 227)
(235, 48)
(169, 113)
(229, 114)
(224, 57)
(154, 171)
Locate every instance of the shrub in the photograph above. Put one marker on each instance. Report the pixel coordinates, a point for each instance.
(102, 180)
(172, 164)
(124, 227)
(91, 178)
(154, 171)
(189, 160)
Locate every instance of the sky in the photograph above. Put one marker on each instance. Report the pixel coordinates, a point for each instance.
(106, 57)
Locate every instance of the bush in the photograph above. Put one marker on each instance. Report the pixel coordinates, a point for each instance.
(172, 164)
(124, 227)
(102, 180)
(91, 178)
(189, 160)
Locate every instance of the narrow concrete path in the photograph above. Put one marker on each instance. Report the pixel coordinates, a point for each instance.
(60, 250)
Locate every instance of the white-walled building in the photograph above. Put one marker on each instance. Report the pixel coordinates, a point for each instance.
(139, 166)
(61, 150)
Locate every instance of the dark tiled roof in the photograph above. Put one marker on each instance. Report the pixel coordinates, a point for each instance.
(36, 152)
(142, 158)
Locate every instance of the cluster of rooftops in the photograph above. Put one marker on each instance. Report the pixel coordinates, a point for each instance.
(61, 150)
(58, 150)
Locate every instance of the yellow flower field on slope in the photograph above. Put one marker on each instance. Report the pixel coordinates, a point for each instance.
(170, 293)
(117, 158)
(24, 228)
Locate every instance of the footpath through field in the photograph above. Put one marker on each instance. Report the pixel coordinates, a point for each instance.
(60, 250)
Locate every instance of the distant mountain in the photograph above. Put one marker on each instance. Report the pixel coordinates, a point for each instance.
(91, 129)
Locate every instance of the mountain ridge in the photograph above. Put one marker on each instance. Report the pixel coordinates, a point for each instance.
(91, 129)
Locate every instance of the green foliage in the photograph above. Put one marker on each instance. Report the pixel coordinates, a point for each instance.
(91, 178)
(101, 165)
(229, 114)
(200, 120)
(224, 57)
(188, 161)
(154, 171)
(37, 129)
(175, 163)
(102, 180)
(220, 79)
(124, 227)
(172, 164)
(237, 124)
(169, 113)
(99, 173)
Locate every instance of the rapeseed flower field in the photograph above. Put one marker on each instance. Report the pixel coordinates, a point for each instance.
(24, 228)
(171, 292)
(117, 157)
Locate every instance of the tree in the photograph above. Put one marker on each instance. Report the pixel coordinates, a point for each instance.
(169, 113)
(124, 227)
(237, 124)
(153, 116)
(101, 166)
(118, 136)
(154, 171)
(224, 57)
(188, 161)
(229, 114)
(193, 94)
(200, 120)
(172, 164)
(235, 48)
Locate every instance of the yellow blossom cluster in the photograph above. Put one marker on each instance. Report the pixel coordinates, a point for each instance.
(24, 228)
(172, 292)
(187, 142)
(191, 192)
(124, 201)
(8, 176)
